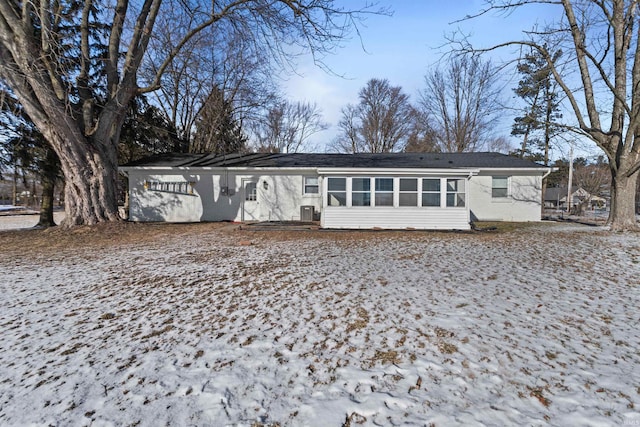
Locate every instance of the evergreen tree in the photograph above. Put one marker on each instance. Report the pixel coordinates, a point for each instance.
(217, 130)
(538, 90)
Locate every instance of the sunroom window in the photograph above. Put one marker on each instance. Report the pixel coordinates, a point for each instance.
(384, 191)
(431, 192)
(455, 192)
(408, 195)
(337, 191)
(361, 192)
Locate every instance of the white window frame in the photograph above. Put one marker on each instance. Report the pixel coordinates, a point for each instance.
(456, 193)
(383, 192)
(416, 192)
(423, 192)
(507, 188)
(347, 197)
(306, 185)
(369, 191)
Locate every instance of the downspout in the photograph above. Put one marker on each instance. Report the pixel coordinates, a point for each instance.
(468, 193)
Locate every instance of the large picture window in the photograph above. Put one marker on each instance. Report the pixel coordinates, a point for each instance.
(408, 195)
(431, 192)
(455, 192)
(499, 186)
(384, 191)
(337, 191)
(361, 192)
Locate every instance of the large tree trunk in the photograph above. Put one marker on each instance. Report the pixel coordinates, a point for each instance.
(622, 214)
(46, 204)
(90, 186)
(50, 170)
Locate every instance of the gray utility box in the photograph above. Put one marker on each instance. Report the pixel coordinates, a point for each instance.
(306, 213)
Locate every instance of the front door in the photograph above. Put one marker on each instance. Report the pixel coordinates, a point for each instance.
(250, 203)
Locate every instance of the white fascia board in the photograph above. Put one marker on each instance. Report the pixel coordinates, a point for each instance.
(397, 172)
(539, 170)
(200, 169)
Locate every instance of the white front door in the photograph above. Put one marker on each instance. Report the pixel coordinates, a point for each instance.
(250, 203)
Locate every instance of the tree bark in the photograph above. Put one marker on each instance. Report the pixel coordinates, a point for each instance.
(50, 168)
(46, 205)
(622, 213)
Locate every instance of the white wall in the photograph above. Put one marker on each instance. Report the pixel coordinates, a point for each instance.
(523, 203)
(279, 200)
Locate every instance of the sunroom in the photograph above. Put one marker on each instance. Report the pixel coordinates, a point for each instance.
(387, 199)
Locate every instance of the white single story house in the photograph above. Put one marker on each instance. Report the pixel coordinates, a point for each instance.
(556, 198)
(391, 190)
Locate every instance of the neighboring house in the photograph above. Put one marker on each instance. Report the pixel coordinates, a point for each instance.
(395, 191)
(556, 198)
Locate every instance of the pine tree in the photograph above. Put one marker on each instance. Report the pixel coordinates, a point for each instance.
(537, 89)
(217, 130)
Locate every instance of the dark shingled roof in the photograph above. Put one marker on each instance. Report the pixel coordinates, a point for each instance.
(316, 160)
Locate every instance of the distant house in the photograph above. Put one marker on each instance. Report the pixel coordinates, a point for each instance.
(556, 198)
(394, 191)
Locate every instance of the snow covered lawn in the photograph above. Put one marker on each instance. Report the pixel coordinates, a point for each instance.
(191, 325)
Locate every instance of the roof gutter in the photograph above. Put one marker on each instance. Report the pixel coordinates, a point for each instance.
(398, 171)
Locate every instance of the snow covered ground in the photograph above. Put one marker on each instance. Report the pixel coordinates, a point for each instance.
(12, 222)
(192, 325)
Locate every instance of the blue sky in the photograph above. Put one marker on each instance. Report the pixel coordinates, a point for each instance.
(403, 48)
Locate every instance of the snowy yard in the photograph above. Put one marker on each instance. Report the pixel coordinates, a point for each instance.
(191, 325)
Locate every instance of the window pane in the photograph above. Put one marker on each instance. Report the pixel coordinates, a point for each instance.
(499, 192)
(500, 186)
(430, 199)
(337, 184)
(250, 191)
(500, 181)
(408, 184)
(384, 184)
(361, 199)
(360, 184)
(311, 185)
(384, 199)
(455, 200)
(430, 185)
(337, 199)
(408, 199)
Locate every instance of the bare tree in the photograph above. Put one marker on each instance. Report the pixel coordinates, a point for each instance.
(218, 59)
(599, 39)
(287, 127)
(381, 122)
(462, 103)
(81, 116)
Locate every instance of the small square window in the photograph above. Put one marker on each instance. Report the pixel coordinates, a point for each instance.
(499, 186)
(311, 185)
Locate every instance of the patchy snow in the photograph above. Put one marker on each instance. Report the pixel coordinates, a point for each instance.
(533, 327)
(13, 222)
